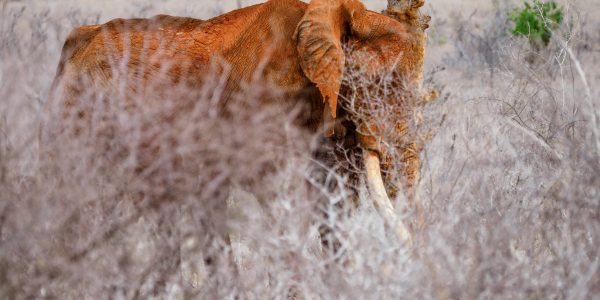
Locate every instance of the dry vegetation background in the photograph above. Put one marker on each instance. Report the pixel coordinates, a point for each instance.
(510, 178)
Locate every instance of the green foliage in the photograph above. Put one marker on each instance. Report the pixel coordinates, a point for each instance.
(537, 20)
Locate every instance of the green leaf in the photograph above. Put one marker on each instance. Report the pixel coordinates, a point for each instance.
(536, 20)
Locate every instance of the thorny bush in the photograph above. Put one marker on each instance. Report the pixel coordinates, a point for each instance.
(509, 188)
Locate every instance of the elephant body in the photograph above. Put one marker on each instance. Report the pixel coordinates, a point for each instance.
(185, 47)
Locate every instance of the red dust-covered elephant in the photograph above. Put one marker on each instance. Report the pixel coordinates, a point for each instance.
(302, 48)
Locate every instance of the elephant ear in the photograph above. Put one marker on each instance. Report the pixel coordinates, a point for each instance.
(322, 58)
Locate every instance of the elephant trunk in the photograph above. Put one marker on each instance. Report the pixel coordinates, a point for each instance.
(380, 198)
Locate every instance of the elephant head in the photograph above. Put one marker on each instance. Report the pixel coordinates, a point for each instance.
(394, 39)
(397, 37)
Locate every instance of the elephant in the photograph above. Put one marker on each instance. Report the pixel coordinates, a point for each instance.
(301, 48)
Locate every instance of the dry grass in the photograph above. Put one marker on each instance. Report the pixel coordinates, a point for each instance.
(141, 205)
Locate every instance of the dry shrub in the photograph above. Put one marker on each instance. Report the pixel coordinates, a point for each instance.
(157, 168)
(209, 204)
(505, 155)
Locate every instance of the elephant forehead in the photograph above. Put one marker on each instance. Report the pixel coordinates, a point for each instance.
(400, 52)
(371, 58)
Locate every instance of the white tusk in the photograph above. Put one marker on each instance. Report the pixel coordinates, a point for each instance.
(380, 198)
